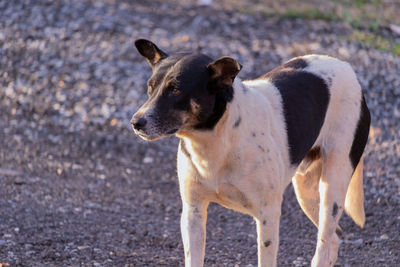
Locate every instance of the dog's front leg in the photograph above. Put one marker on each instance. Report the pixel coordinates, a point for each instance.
(268, 233)
(193, 229)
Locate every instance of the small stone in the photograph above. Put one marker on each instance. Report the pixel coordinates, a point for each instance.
(204, 2)
(384, 237)
(113, 122)
(61, 83)
(29, 253)
(395, 28)
(147, 160)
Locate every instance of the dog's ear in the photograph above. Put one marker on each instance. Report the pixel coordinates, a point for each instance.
(150, 51)
(223, 72)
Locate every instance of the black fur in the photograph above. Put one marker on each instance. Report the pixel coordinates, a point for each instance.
(305, 99)
(339, 232)
(237, 122)
(267, 243)
(334, 209)
(150, 51)
(221, 99)
(361, 134)
(297, 63)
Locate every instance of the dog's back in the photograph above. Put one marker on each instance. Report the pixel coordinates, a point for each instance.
(327, 125)
(322, 104)
(324, 110)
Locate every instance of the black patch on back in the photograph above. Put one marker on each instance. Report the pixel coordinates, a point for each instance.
(361, 134)
(305, 99)
(267, 243)
(297, 63)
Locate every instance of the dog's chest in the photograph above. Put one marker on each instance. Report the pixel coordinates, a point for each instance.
(235, 182)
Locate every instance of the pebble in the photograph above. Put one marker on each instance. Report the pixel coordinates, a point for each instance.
(147, 160)
(384, 237)
(300, 261)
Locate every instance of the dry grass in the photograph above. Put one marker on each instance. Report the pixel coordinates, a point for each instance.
(367, 18)
(357, 12)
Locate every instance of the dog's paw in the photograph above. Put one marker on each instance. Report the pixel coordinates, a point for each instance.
(327, 256)
(334, 249)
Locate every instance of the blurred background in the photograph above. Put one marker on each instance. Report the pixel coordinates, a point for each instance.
(78, 188)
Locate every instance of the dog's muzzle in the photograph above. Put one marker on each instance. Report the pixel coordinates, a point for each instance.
(139, 127)
(148, 127)
(138, 123)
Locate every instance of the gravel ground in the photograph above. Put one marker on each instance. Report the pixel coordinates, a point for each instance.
(77, 188)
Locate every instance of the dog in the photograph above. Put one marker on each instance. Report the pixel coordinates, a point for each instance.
(242, 142)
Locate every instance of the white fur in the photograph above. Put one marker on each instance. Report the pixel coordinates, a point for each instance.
(247, 168)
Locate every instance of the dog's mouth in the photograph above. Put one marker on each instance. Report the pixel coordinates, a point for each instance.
(148, 137)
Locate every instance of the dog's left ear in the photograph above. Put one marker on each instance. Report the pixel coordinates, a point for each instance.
(150, 51)
(223, 72)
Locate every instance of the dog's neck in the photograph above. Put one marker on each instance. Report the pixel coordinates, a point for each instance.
(210, 149)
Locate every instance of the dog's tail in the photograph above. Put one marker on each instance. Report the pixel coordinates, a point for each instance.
(354, 204)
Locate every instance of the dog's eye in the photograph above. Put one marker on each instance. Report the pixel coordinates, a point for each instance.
(175, 91)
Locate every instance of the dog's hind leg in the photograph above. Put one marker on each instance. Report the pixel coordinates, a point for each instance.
(335, 178)
(305, 183)
(306, 186)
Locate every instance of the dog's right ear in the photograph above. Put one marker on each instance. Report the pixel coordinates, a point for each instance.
(150, 51)
(223, 72)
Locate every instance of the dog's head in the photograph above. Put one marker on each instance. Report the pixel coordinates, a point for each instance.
(185, 92)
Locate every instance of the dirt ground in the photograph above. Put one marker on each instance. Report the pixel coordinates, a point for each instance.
(78, 188)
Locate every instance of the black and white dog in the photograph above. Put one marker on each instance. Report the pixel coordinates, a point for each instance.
(241, 143)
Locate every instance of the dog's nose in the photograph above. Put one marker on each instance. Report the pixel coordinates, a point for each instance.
(138, 123)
